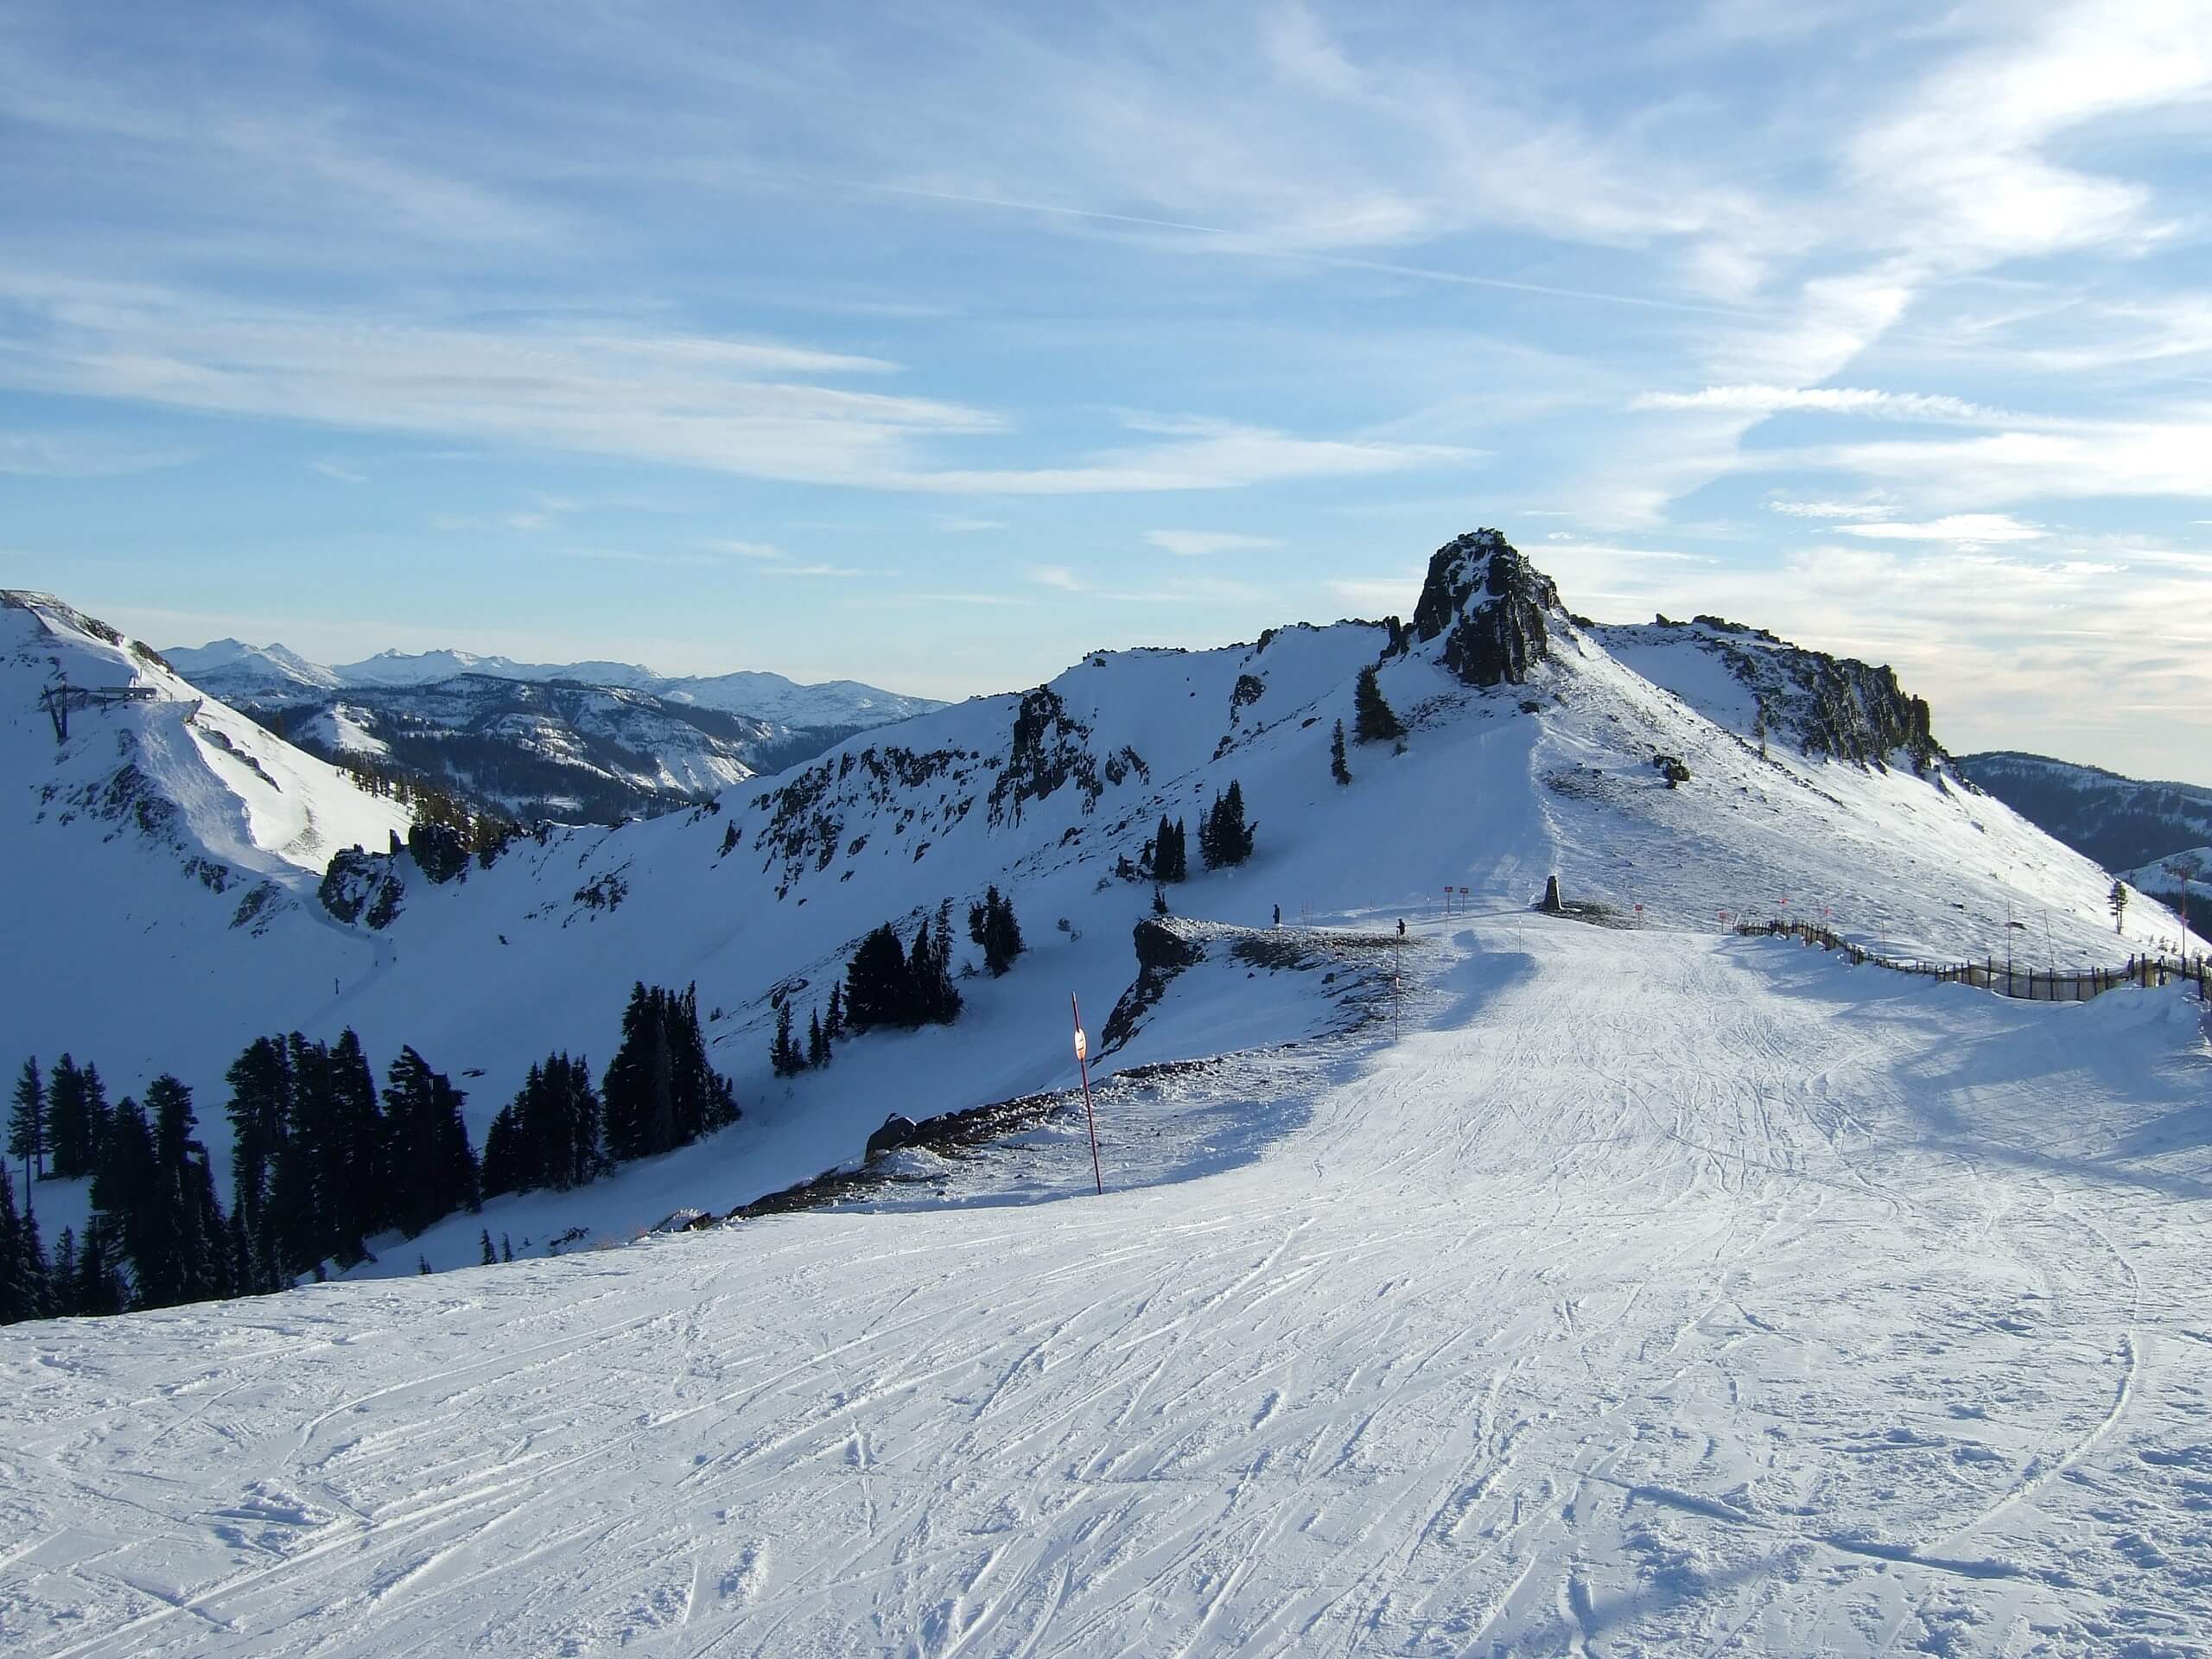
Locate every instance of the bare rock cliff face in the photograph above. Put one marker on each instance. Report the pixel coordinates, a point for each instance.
(1491, 608)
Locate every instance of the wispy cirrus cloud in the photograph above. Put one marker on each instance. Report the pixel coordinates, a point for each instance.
(1827, 400)
(1956, 527)
(1199, 544)
(723, 405)
(2115, 458)
(1972, 527)
(1830, 509)
(85, 454)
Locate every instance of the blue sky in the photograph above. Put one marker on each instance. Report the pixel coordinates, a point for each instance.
(934, 349)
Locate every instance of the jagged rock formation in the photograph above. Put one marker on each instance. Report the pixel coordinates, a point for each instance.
(1051, 748)
(362, 887)
(1164, 950)
(1827, 706)
(1491, 607)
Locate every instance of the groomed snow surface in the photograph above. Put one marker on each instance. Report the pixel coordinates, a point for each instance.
(1657, 1293)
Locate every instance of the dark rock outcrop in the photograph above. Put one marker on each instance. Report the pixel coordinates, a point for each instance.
(361, 886)
(1162, 953)
(897, 1131)
(1491, 606)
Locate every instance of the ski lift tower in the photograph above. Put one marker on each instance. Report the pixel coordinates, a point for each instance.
(61, 697)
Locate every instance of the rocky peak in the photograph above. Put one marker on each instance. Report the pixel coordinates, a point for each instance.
(1491, 606)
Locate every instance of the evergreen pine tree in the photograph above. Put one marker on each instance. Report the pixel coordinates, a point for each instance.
(490, 1257)
(915, 1003)
(876, 982)
(784, 1054)
(817, 1046)
(503, 1164)
(431, 1167)
(1001, 934)
(1373, 720)
(14, 1290)
(661, 1091)
(92, 1129)
(1225, 837)
(2116, 902)
(708, 1103)
(295, 1217)
(353, 1188)
(99, 1288)
(31, 1265)
(125, 1192)
(188, 1240)
(626, 1089)
(27, 1125)
(1167, 859)
(941, 997)
(260, 1114)
(25, 1291)
(1338, 769)
(61, 1276)
(577, 1109)
(65, 1120)
(246, 1268)
(833, 1027)
(506, 1250)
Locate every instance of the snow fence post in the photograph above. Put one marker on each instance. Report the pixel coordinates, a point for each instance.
(1083, 1060)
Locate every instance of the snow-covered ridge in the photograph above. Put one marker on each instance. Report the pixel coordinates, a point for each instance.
(539, 749)
(1652, 798)
(272, 676)
(186, 772)
(593, 741)
(2123, 823)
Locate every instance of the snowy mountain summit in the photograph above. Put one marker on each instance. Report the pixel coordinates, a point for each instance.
(1491, 606)
(1672, 774)
(590, 741)
(1450, 1277)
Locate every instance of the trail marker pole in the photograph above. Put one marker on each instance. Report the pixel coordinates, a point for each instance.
(1083, 1060)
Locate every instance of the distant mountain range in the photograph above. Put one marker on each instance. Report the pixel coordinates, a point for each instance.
(592, 741)
(213, 884)
(2129, 826)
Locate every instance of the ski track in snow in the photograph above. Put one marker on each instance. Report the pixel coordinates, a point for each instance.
(1655, 1293)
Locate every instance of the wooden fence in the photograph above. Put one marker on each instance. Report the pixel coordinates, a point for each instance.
(2010, 979)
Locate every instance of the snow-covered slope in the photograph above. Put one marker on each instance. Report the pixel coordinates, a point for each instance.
(173, 776)
(226, 666)
(1659, 1293)
(786, 702)
(2164, 880)
(2122, 823)
(537, 749)
(592, 741)
(237, 672)
(1533, 749)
